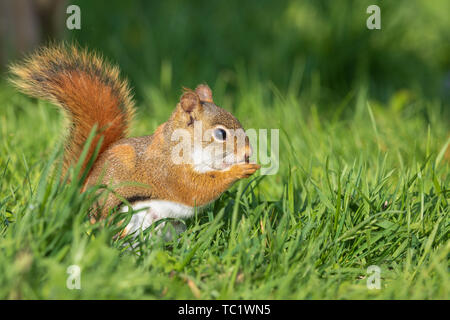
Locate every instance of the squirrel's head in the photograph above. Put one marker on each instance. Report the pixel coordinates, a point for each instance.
(205, 135)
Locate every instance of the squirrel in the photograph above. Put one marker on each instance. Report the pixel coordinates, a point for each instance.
(92, 94)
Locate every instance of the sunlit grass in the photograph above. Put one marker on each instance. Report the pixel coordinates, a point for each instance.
(363, 184)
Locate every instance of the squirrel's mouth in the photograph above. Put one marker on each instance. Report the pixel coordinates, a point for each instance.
(221, 163)
(229, 161)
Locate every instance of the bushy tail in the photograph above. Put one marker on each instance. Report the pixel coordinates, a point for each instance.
(87, 88)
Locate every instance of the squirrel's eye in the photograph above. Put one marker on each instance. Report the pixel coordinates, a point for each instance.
(220, 134)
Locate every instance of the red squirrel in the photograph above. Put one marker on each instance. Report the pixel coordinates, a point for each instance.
(91, 93)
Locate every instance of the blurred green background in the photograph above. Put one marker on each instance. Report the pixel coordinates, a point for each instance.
(290, 44)
(364, 150)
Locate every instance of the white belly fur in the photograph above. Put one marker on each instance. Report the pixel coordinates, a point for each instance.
(154, 210)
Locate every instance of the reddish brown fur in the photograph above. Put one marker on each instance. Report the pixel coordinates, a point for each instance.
(88, 89)
(92, 94)
(161, 178)
(91, 103)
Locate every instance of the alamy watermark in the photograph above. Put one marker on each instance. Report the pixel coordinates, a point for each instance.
(74, 20)
(74, 279)
(374, 277)
(374, 20)
(220, 148)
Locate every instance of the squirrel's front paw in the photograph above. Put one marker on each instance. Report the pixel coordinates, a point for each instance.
(245, 170)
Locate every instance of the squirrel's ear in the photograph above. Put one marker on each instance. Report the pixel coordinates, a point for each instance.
(204, 92)
(190, 101)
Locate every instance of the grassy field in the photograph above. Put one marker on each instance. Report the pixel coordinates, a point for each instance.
(364, 155)
(361, 183)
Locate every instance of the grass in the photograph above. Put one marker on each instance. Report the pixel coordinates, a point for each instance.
(360, 183)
